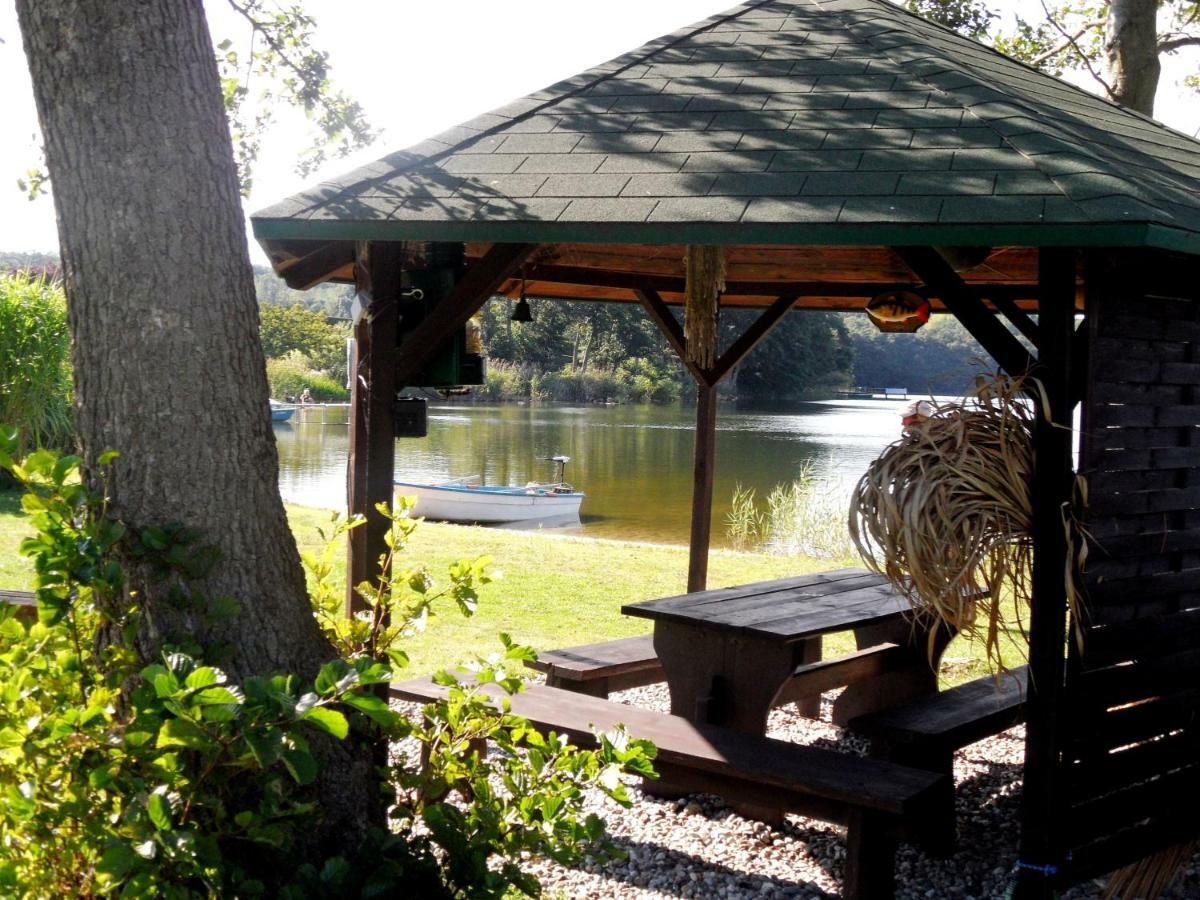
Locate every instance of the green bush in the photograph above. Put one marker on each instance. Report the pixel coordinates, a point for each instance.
(160, 777)
(35, 362)
(635, 381)
(290, 375)
(287, 329)
(504, 381)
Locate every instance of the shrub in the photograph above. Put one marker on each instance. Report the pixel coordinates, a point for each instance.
(35, 366)
(161, 778)
(505, 381)
(290, 375)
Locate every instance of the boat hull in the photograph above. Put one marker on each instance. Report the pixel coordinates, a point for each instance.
(493, 506)
(281, 415)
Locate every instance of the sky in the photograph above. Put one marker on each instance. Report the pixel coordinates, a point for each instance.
(417, 67)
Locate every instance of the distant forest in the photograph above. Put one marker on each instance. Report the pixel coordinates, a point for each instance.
(808, 353)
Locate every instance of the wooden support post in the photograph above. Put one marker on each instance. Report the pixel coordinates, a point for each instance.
(377, 277)
(706, 412)
(1042, 820)
(702, 485)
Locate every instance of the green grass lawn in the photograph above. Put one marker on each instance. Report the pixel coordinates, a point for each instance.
(554, 591)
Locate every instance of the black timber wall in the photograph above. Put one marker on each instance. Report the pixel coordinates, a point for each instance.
(1130, 721)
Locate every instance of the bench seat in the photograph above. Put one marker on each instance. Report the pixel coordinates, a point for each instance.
(24, 601)
(938, 724)
(599, 669)
(878, 801)
(926, 732)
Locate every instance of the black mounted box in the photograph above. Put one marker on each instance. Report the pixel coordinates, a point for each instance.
(410, 417)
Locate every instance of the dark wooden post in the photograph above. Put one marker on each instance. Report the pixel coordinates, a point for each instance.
(1042, 799)
(377, 277)
(703, 471)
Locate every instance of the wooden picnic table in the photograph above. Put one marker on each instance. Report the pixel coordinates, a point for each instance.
(731, 654)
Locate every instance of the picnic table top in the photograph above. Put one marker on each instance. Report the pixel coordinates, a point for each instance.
(786, 609)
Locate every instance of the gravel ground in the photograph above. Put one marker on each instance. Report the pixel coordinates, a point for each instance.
(697, 847)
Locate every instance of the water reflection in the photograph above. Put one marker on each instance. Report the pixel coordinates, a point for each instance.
(634, 462)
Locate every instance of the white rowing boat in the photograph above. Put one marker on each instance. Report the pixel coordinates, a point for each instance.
(468, 500)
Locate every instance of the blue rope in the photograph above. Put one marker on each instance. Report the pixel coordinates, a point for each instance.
(1032, 867)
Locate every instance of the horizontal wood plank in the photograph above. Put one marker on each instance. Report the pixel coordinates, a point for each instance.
(955, 717)
(600, 660)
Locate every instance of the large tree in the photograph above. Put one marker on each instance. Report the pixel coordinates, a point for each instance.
(168, 365)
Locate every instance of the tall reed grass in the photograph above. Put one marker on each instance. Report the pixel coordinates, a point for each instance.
(804, 516)
(35, 363)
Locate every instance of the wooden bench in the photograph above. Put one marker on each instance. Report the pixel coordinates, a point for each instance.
(926, 732)
(879, 802)
(599, 669)
(24, 601)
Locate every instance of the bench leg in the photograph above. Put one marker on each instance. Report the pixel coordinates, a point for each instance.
(597, 687)
(870, 857)
(937, 836)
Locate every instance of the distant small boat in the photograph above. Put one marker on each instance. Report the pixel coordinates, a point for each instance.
(467, 500)
(281, 412)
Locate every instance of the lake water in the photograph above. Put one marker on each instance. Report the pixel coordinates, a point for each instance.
(633, 462)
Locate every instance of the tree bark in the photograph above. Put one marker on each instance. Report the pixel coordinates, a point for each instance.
(169, 369)
(1131, 53)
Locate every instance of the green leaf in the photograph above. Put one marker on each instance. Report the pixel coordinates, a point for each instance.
(300, 765)
(100, 776)
(203, 677)
(181, 733)
(331, 673)
(115, 862)
(372, 705)
(159, 809)
(328, 720)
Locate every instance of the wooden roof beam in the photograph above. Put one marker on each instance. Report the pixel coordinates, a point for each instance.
(316, 267)
(752, 336)
(606, 278)
(968, 308)
(671, 329)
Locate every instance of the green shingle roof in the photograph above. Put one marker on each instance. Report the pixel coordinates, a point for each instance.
(788, 121)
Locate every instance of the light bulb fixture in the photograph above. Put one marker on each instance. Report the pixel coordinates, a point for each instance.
(521, 312)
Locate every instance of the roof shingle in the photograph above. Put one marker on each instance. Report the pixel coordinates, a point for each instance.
(776, 117)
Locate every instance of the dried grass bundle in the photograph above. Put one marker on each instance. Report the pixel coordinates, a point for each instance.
(945, 513)
(705, 268)
(1149, 877)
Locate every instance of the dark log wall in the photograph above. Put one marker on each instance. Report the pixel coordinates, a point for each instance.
(1132, 741)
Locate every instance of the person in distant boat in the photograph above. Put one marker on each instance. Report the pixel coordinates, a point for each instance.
(306, 397)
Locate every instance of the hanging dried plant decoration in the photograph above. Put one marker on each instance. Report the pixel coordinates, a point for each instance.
(945, 513)
(705, 268)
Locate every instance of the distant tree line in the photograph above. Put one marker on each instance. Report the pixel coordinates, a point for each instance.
(589, 351)
(593, 352)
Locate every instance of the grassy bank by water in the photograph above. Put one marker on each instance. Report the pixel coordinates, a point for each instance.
(555, 591)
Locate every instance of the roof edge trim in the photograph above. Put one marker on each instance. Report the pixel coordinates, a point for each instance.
(1123, 234)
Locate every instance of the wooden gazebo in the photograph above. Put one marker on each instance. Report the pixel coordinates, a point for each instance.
(838, 150)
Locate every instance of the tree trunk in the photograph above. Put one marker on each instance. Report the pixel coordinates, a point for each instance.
(169, 369)
(1131, 53)
(591, 340)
